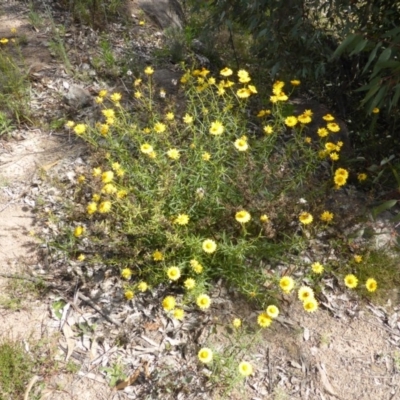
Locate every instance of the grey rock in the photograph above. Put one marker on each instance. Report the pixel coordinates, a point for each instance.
(77, 97)
(165, 13)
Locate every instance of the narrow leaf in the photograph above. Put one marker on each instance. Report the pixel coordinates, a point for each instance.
(352, 39)
(383, 207)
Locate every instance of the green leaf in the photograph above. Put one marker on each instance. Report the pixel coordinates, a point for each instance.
(372, 91)
(372, 56)
(383, 207)
(395, 98)
(57, 306)
(360, 47)
(378, 98)
(350, 41)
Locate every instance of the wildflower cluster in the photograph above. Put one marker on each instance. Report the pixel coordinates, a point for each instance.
(186, 196)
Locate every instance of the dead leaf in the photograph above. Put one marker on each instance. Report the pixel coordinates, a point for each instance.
(69, 335)
(325, 381)
(128, 381)
(151, 326)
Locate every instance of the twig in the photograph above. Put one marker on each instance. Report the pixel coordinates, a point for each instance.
(29, 387)
(91, 304)
(50, 286)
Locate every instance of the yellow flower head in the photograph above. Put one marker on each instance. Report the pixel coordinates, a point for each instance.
(81, 257)
(326, 216)
(146, 148)
(268, 130)
(291, 121)
(243, 76)
(328, 117)
(182, 219)
(371, 285)
(333, 127)
(306, 218)
(357, 258)
(277, 87)
(103, 93)
(307, 140)
(245, 368)
(173, 154)
(174, 273)
(79, 231)
(107, 176)
(264, 320)
(158, 256)
(252, 89)
(205, 355)
(305, 293)
(362, 177)
(91, 208)
(206, 156)
(242, 217)
(178, 314)
(216, 128)
(104, 128)
(109, 188)
(351, 281)
(317, 268)
(70, 124)
(322, 132)
(187, 119)
(339, 180)
(310, 305)
(237, 323)
(105, 207)
(334, 156)
(109, 113)
(126, 273)
(342, 172)
(264, 218)
(272, 311)
(142, 286)
(375, 110)
(295, 82)
(196, 266)
(209, 246)
(204, 72)
(170, 116)
(81, 179)
(189, 283)
(159, 127)
(168, 303)
(226, 72)
(149, 71)
(241, 144)
(286, 283)
(129, 294)
(121, 194)
(116, 97)
(80, 129)
(203, 301)
(4, 41)
(243, 93)
(304, 119)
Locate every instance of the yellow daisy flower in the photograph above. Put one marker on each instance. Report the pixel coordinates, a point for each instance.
(205, 355)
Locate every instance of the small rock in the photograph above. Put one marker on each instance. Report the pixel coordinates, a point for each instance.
(77, 97)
